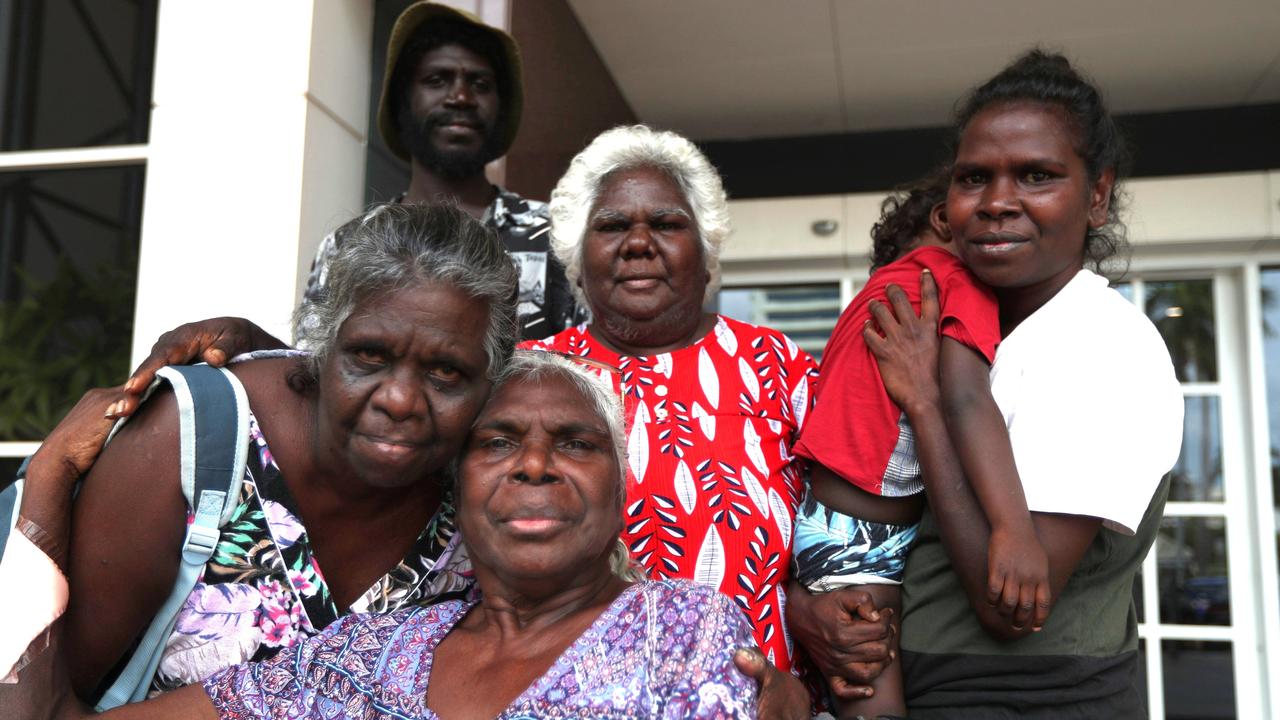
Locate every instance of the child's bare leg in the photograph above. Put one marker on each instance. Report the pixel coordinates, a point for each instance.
(888, 524)
(889, 698)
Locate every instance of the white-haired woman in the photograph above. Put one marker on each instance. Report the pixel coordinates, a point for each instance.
(712, 404)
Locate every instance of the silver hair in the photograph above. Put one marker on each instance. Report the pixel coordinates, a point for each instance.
(598, 394)
(398, 246)
(629, 148)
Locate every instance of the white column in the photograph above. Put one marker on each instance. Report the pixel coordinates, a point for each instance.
(258, 130)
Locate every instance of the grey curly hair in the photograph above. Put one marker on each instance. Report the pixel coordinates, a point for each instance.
(629, 148)
(394, 247)
(598, 394)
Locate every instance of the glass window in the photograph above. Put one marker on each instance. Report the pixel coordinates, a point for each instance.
(1182, 311)
(1191, 553)
(1271, 356)
(68, 263)
(806, 313)
(1197, 476)
(1198, 680)
(77, 73)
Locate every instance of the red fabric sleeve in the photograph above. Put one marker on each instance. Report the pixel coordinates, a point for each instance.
(970, 313)
(853, 427)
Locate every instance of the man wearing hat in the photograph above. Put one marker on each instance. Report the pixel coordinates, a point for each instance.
(451, 101)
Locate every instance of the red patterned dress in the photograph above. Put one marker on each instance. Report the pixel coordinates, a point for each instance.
(712, 485)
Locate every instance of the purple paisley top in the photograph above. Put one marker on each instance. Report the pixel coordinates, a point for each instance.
(662, 649)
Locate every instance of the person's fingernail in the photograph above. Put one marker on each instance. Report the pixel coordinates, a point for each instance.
(875, 615)
(128, 384)
(112, 410)
(927, 271)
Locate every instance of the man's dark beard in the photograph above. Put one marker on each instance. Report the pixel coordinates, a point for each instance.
(455, 164)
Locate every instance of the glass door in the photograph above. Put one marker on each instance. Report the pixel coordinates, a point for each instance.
(1197, 594)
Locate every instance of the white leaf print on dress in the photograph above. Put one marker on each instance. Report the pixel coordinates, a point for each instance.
(782, 612)
(709, 569)
(752, 441)
(756, 491)
(662, 364)
(800, 401)
(638, 443)
(780, 516)
(708, 378)
(707, 422)
(749, 379)
(685, 489)
(792, 348)
(726, 338)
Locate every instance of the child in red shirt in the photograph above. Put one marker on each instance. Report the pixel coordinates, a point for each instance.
(862, 507)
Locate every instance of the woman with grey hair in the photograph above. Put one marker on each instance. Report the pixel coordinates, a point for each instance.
(558, 628)
(344, 505)
(712, 404)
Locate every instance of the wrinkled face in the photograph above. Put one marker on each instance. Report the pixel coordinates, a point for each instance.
(642, 259)
(405, 381)
(539, 486)
(451, 115)
(1021, 201)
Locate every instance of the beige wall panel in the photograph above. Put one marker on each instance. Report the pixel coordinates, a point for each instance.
(861, 211)
(782, 228)
(1199, 208)
(332, 186)
(339, 72)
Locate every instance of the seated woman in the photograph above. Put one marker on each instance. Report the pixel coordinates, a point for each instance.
(559, 629)
(344, 506)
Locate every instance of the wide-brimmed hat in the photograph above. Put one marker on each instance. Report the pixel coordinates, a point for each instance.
(512, 86)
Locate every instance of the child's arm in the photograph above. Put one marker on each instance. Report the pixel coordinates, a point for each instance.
(1017, 566)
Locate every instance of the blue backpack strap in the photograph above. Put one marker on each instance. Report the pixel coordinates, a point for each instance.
(10, 502)
(213, 413)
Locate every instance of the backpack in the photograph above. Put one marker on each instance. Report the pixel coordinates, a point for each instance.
(213, 421)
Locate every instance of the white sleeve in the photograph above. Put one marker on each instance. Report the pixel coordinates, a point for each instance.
(1097, 426)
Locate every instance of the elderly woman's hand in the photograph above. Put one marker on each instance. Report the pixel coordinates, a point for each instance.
(844, 634)
(906, 347)
(75, 443)
(214, 341)
(782, 696)
(63, 458)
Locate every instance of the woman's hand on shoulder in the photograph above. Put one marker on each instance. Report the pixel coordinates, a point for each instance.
(213, 341)
(75, 443)
(906, 345)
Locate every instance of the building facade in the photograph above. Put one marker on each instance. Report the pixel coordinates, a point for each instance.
(167, 161)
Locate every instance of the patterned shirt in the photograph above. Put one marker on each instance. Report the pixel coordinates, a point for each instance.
(712, 485)
(546, 304)
(660, 650)
(263, 590)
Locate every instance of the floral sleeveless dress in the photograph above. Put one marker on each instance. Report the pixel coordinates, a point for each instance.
(263, 590)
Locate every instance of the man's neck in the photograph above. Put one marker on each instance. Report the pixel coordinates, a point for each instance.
(473, 193)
